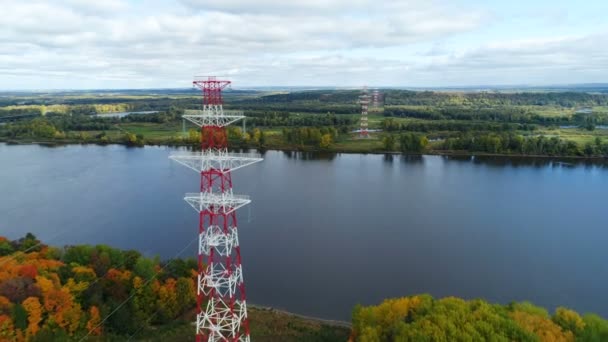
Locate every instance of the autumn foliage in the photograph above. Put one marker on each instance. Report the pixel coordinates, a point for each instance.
(57, 294)
(423, 318)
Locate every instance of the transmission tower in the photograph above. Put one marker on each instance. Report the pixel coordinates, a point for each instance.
(364, 102)
(221, 301)
(376, 98)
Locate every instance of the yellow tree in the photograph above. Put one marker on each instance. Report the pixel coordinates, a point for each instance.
(569, 320)
(167, 299)
(325, 141)
(34, 314)
(71, 316)
(44, 284)
(256, 135)
(544, 328)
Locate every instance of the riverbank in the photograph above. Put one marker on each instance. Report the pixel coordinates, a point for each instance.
(333, 149)
(266, 324)
(108, 294)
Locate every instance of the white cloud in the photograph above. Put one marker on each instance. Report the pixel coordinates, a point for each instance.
(116, 43)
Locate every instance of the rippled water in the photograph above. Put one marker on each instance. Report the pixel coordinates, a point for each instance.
(325, 232)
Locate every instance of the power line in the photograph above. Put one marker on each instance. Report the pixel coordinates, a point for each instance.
(144, 325)
(133, 294)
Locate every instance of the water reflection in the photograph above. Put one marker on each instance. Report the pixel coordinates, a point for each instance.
(300, 155)
(477, 228)
(412, 158)
(535, 162)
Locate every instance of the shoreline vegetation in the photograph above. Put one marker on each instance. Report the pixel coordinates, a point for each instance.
(105, 294)
(571, 124)
(55, 143)
(100, 293)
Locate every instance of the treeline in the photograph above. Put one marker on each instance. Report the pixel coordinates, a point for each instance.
(327, 96)
(65, 109)
(494, 143)
(319, 137)
(313, 107)
(392, 125)
(433, 98)
(407, 142)
(57, 127)
(497, 114)
(509, 143)
(60, 294)
(60, 126)
(171, 114)
(101, 106)
(394, 97)
(274, 119)
(502, 114)
(423, 318)
(440, 98)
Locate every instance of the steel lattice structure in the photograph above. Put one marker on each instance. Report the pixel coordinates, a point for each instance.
(364, 102)
(221, 301)
(376, 97)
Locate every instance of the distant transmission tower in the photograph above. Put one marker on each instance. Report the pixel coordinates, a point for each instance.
(364, 102)
(376, 98)
(221, 302)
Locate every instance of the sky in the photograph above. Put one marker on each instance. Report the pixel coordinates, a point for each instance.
(83, 44)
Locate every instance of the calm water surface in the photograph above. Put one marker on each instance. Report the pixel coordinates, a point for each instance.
(325, 232)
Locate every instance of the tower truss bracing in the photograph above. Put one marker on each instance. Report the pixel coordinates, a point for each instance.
(364, 102)
(221, 301)
(376, 98)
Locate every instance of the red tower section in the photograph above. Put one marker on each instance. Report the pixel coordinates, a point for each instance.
(212, 90)
(212, 136)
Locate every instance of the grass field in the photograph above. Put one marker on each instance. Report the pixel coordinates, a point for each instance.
(578, 135)
(266, 326)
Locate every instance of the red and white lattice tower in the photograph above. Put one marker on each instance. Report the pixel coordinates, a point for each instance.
(221, 302)
(364, 102)
(376, 97)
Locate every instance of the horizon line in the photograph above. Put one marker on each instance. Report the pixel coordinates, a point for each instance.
(312, 87)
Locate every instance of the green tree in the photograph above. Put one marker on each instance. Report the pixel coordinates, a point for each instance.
(186, 294)
(19, 316)
(596, 329)
(42, 128)
(388, 142)
(144, 268)
(410, 142)
(144, 301)
(5, 247)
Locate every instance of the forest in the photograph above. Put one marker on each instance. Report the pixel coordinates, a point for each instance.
(99, 293)
(106, 294)
(57, 294)
(569, 123)
(424, 318)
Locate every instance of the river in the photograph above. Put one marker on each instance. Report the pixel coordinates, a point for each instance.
(325, 232)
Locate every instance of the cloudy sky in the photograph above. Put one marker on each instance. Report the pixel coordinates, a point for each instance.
(73, 44)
